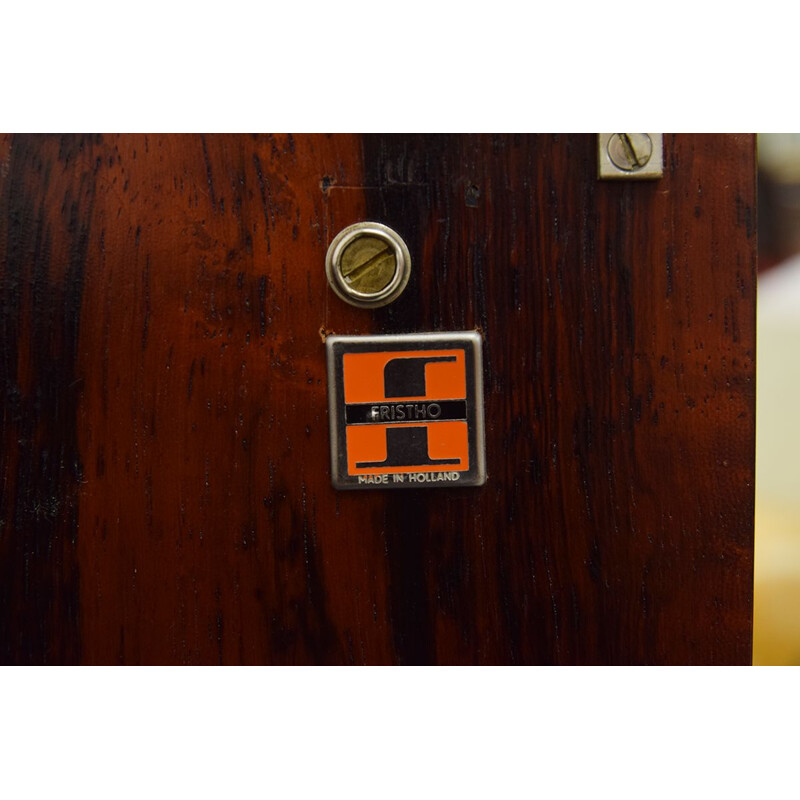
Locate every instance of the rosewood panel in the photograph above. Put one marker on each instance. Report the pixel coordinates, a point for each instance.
(164, 468)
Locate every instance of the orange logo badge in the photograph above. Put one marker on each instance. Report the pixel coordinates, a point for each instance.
(406, 411)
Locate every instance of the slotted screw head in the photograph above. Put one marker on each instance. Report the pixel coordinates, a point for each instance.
(368, 264)
(630, 151)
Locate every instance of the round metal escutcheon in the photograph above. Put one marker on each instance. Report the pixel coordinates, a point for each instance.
(368, 265)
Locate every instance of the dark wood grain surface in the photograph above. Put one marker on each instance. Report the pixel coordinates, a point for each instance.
(164, 467)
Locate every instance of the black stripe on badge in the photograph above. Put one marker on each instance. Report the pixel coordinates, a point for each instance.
(388, 413)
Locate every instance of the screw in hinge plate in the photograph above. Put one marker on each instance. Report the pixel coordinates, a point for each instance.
(630, 155)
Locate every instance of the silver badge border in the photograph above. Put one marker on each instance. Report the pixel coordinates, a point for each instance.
(336, 345)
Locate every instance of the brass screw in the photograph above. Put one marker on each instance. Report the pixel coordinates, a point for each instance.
(630, 151)
(368, 264)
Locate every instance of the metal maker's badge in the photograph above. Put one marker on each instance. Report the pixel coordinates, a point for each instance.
(406, 411)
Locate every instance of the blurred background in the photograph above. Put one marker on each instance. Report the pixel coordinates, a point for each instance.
(776, 629)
